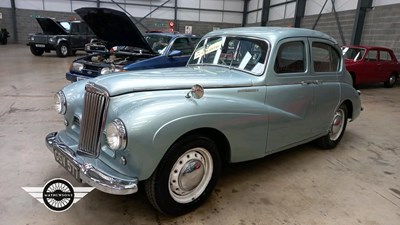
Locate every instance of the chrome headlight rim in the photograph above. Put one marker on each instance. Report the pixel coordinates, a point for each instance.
(75, 66)
(106, 70)
(116, 135)
(60, 103)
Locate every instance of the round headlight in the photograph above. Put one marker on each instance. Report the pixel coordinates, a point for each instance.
(76, 66)
(60, 102)
(106, 70)
(116, 135)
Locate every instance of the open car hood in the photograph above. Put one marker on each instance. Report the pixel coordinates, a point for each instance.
(49, 26)
(114, 27)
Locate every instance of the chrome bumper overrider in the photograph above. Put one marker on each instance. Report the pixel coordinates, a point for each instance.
(90, 174)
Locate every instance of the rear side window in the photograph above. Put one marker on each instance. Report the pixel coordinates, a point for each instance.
(385, 56)
(325, 58)
(290, 58)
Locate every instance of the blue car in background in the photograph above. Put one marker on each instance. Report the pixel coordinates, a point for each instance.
(128, 48)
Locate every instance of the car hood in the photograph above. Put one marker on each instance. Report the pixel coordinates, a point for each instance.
(49, 26)
(114, 27)
(172, 78)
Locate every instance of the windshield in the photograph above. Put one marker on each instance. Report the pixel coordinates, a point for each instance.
(65, 25)
(239, 53)
(158, 42)
(353, 53)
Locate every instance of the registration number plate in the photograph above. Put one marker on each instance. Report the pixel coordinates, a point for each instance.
(39, 45)
(80, 78)
(65, 161)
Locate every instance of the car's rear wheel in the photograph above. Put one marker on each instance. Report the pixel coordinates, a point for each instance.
(36, 51)
(62, 49)
(185, 177)
(391, 81)
(336, 131)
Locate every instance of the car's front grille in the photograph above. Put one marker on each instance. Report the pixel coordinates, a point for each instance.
(40, 39)
(93, 119)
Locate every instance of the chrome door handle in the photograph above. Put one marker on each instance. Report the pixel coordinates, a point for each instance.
(307, 82)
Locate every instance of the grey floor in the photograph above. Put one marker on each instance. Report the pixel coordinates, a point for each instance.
(356, 183)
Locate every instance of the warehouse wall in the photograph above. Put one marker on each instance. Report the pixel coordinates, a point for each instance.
(382, 24)
(382, 27)
(26, 23)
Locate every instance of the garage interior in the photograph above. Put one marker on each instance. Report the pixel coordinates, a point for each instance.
(355, 183)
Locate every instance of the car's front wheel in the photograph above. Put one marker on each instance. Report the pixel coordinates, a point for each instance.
(185, 177)
(62, 49)
(336, 131)
(391, 81)
(37, 51)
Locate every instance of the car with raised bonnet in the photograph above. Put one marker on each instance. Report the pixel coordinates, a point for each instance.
(372, 64)
(121, 46)
(245, 93)
(64, 37)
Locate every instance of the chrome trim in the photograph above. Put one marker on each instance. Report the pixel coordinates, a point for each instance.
(93, 120)
(92, 175)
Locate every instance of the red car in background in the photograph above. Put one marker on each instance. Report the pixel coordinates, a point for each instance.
(368, 64)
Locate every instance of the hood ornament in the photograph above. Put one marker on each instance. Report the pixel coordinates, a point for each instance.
(196, 92)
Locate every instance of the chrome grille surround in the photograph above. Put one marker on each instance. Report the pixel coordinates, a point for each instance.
(93, 120)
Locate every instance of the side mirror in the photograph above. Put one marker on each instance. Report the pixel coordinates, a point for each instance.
(174, 53)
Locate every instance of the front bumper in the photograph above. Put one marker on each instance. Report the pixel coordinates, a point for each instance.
(112, 184)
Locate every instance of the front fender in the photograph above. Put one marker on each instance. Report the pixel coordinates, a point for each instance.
(154, 123)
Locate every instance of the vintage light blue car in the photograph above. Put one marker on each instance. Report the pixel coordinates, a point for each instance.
(244, 94)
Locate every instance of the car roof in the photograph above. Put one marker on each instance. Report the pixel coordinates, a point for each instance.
(271, 33)
(368, 47)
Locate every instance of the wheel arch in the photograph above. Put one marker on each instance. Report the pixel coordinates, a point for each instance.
(215, 135)
(349, 106)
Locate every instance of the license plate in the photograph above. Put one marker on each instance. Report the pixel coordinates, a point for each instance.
(39, 45)
(80, 78)
(65, 161)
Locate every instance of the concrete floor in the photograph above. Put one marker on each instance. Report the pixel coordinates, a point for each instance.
(356, 183)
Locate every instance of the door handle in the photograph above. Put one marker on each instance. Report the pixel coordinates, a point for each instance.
(308, 82)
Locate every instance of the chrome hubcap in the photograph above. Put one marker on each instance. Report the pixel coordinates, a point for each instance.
(190, 175)
(392, 79)
(337, 125)
(64, 50)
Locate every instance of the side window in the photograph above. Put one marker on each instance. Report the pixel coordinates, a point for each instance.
(372, 56)
(291, 58)
(385, 56)
(325, 58)
(183, 45)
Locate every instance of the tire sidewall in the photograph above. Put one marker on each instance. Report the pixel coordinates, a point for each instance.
(325, 142)
(36, 51)
(388, 83)
(165, 202)
(59, 49)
